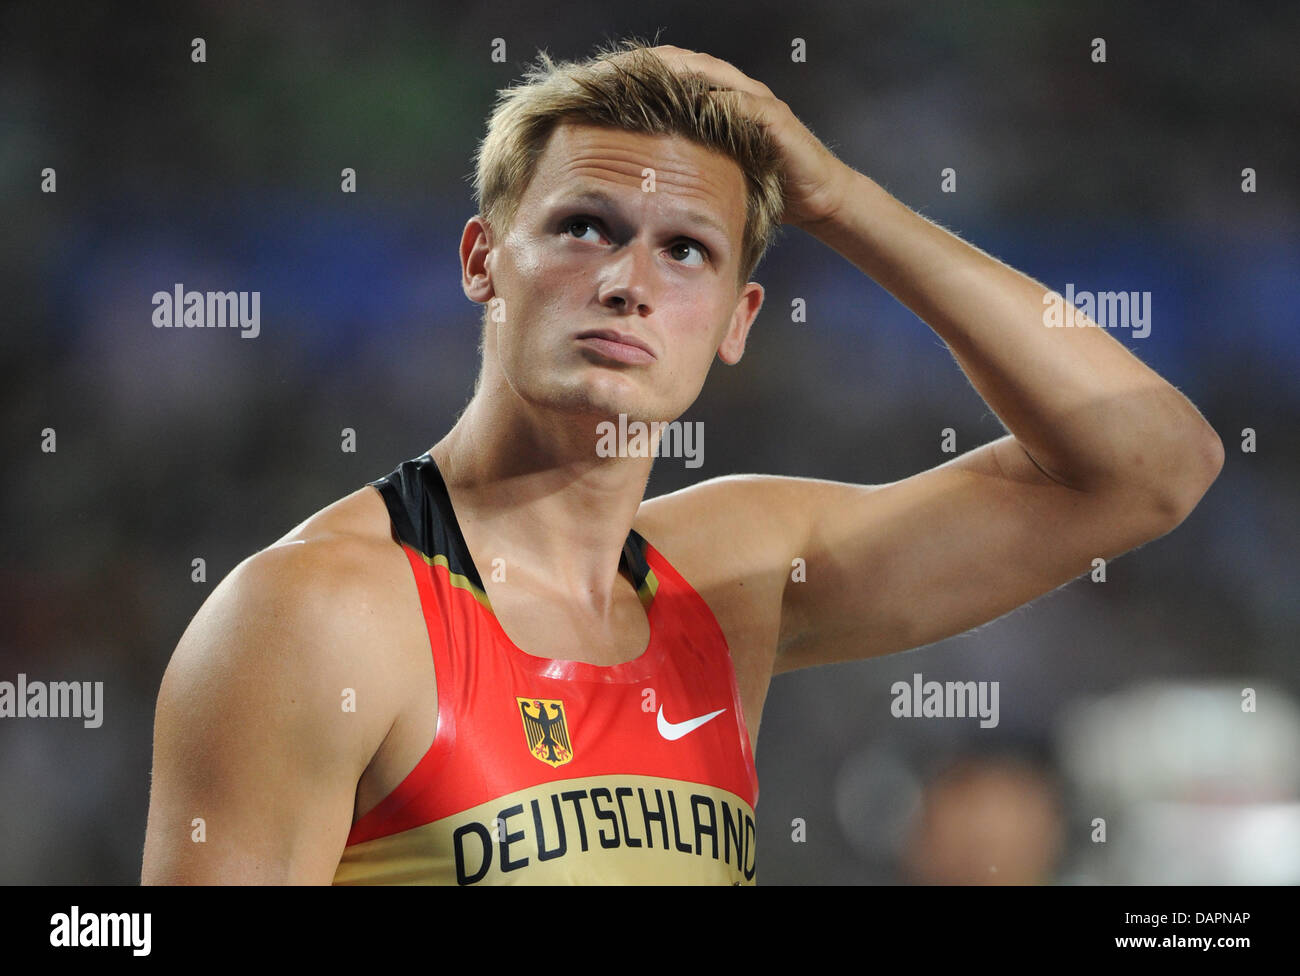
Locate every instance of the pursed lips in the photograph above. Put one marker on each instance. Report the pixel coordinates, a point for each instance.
(620, 346)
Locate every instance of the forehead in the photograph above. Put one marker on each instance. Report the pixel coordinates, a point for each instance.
(691, 178)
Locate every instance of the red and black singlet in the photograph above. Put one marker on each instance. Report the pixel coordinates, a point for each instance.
(548, 771)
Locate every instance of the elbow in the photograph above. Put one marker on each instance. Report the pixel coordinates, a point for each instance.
(1200, 462)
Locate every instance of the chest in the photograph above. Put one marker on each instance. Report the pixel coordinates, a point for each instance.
(548, 769)
(506, 705)
(546, 627)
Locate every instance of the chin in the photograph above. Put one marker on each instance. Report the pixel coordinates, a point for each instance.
(581, 400)
(601, 395)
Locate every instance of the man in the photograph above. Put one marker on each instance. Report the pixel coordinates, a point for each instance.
(572, 688)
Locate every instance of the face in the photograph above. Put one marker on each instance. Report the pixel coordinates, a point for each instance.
(615, 298)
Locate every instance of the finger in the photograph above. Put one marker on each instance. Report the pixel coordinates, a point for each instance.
(714, 69)
(763, 109)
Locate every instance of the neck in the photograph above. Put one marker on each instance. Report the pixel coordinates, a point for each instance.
(528, 487)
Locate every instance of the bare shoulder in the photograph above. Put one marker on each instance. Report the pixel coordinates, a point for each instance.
(344, 571)
(725, 530)
(314, 610)
(332, 578)
(275, 700)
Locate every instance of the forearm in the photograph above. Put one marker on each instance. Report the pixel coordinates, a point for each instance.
(1087, 410)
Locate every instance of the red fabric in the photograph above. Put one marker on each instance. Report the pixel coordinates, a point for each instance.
(480, 750)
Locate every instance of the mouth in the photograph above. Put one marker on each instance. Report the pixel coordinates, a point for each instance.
(618, 346)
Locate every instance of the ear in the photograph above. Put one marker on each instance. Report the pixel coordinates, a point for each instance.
(733, 340)
(475, 260)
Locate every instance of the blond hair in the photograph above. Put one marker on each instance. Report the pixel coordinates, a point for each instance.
(625, 87)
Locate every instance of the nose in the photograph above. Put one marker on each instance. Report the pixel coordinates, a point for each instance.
(626, 280)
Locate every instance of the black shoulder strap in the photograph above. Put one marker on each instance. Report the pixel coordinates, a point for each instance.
(422, 515)
(635, 561)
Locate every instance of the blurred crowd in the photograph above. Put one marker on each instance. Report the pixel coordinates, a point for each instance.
(1123, 754)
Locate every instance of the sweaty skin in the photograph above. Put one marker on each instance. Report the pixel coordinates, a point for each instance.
(249, 735)
(332, 605)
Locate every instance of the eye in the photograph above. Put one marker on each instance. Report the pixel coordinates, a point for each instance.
(587, 225)
(583, 222)
(689, 244)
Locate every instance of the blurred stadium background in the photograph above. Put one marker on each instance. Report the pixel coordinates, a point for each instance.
(1119, 701)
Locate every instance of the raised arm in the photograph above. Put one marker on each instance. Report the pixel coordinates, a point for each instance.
(1103, 454)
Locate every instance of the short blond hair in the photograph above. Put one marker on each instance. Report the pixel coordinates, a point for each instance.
(628, 87)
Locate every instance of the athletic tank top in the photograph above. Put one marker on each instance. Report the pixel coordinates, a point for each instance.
(547, 771)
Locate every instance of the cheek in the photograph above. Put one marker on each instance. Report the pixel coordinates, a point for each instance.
(550, 276)
(691, 355)
(698, 338)
(527, 282)
(525, 263)
(526, 269)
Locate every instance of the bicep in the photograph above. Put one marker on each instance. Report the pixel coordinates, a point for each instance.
(897, 566)
(255, 763)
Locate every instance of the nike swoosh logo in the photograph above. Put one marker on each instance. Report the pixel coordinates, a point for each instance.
(675, 730)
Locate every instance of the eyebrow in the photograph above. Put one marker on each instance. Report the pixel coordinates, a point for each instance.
(693, 216)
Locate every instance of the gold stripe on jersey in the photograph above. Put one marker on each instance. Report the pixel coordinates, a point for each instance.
(592, 830)
(647, 590)
(457, 579)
